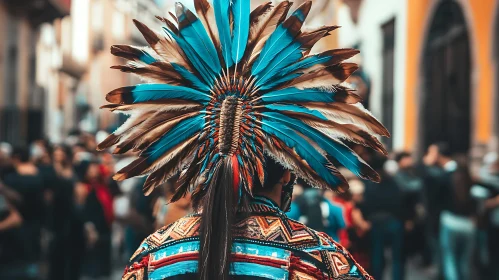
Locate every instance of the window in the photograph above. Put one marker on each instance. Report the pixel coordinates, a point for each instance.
(388, 30)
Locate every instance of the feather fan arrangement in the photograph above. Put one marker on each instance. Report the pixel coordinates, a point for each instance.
(234, 83)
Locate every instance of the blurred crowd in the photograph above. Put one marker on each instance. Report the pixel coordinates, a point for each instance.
(62, 216)
(430, 212)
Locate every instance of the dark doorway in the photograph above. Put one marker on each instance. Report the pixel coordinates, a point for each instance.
(388, 30)
(446, 103)
(495, 113)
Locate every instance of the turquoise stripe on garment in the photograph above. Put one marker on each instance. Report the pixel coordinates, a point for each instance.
(261, 251)
(258, 270)
(173, 270)
(184, 247)
(238, 268)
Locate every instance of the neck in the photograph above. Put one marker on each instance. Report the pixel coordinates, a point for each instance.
(274, 195)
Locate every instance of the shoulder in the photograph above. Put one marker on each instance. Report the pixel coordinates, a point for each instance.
(166, 236)
(338, 261)
(183, 228)
(310, 250)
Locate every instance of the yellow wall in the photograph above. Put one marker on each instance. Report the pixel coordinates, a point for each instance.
(479, 16)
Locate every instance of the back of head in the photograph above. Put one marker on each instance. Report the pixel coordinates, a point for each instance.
(21, 154)
(218, 208)
(444, 149)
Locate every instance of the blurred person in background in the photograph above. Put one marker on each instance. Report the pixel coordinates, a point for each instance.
(96, 211)
(489, 178)
(165, 212)
(28, 183)
(12, 254)
(382, 207)
(458, 217)
(358, 233)
(342, 200)
(5, 160)
(139, 220)
(66, 228)
(411, 185)
(433, 176)
(319, 213)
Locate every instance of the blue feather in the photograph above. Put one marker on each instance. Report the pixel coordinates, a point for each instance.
(296, 109)
(326, 58)
(284, 35)
(147, 58)
(193, 31)
(302, 147)
(344, 155)
(241, 12)
(275, 82)
(289, 55)
(153, 92)
(186, 74)
(305, 63)
(293, 94)
(179, 133)
(206, 73)
(221, 8)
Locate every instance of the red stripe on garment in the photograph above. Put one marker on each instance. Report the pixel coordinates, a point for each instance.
(259, 260)
(175, 259)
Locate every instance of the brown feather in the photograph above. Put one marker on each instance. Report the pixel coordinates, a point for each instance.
(345, 95)
(156, 106)
(308, 41)
(325, 77)
(259, 11)
(292, 161)
(129, 52)
(207, 17)
(263, 27)
(165, 47)
(151, 131)
(349, 114)
(169, 24)
(335, 130)
(153, 74)
(141, 166)
(131, 123)
(294, 24)
(172, 166)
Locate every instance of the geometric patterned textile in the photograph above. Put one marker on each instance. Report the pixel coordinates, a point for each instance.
(267, 245)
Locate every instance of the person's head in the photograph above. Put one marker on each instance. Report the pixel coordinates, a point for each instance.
(357, 190)
(88, 171)
(404, 160)
(20, 155)
(443, 153)
(218, 208)
(61, 155)
(276, 176)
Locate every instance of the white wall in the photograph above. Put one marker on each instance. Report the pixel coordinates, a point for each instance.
(372, 15)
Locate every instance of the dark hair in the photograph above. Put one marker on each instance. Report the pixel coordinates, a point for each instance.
(444, 149)
(66, 150)
(218, 209)
(21, 154)
(219, 206)
(400, 156)
(273, 174)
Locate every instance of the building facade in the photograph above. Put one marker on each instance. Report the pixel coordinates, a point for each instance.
(432, 67)
(21, 98)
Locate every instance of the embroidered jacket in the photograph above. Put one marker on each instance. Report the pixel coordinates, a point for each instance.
(267, 245)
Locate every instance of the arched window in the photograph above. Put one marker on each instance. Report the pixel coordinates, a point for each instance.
(446, 103)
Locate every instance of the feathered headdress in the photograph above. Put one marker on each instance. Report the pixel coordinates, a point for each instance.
(230, 83)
